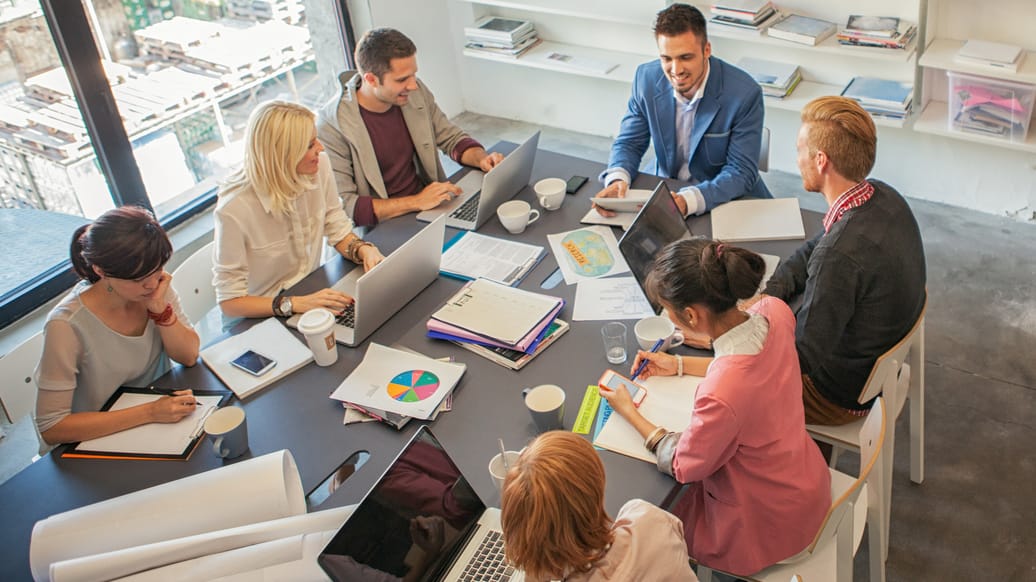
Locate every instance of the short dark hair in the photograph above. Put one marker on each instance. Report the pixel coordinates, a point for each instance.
(377, 48)
(126, 243)
(704, 272)
(680, 18)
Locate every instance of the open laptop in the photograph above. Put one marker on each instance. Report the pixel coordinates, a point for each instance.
(420, 521)
(658, 223)
(379, 293)
(483, 192)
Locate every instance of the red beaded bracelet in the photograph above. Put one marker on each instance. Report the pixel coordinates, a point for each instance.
(165, 318)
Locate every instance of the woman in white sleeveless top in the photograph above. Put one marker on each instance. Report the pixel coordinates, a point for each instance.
(118, 327)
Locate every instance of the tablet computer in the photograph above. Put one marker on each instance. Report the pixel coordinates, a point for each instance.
(635, 198)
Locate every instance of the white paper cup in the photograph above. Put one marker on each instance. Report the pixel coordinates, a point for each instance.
(516, 215)
(318, 327)
(550, 192)
(655, 327)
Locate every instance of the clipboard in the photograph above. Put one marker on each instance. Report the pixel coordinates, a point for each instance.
(189, 431)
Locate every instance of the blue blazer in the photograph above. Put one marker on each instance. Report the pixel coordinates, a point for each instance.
(725, 141)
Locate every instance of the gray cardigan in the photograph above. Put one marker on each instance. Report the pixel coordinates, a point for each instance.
(342, 132)
(863, 287)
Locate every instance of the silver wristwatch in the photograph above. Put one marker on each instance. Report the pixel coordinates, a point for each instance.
(283, 307)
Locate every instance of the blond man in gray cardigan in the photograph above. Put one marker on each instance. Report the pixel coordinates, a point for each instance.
(382, 131)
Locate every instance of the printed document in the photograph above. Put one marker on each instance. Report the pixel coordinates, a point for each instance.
(610, 299)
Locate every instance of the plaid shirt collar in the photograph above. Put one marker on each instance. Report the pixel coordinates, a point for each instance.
(852, 198)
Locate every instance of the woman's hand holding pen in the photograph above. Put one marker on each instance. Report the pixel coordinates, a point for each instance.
(173, 407)
(658, 364)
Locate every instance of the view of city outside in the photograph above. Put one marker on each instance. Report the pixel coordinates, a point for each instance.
(185, 75)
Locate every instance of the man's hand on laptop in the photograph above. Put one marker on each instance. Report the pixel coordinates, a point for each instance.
(334, 301)
(617, 189)
(490, 161)
(370, 255)
(435, 194)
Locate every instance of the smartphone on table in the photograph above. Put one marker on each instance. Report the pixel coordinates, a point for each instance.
(254, 363)
(612, 380)
(575, 183)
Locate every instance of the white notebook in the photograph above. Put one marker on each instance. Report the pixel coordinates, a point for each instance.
(755, 220)
(478, 308)
(669, 403)
(271, 339)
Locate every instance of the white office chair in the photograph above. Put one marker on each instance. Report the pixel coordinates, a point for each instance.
(192, 281)
(898, 376)
(830, 556)
(18, 396)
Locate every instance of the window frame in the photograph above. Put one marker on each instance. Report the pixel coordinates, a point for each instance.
(74, 40)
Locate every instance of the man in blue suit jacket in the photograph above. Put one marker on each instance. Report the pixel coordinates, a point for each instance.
(703, 116)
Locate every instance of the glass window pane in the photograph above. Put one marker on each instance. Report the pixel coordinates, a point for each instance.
(49, 179)
(186, 74)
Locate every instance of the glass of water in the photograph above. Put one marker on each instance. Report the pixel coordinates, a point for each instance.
(614, 335)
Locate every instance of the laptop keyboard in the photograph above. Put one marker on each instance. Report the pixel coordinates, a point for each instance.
(468, 210)
(488, 563)
(347, 317)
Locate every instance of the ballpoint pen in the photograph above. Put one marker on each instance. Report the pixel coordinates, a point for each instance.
(644, 362)
(168, 392)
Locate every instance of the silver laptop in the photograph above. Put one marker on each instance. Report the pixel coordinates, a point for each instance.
(421, 497)
(483, 192)
(379, 293)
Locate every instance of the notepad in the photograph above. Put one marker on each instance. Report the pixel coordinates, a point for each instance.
(173, 441)
(756, 220)
(269, 338)
(669, 403)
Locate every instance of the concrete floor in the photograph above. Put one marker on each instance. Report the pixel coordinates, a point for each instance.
(972, 519)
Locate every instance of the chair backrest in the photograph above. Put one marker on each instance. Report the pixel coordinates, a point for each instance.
(192, 281)
(764, 151)
(17, 385)
(872, 437)
(879, 381)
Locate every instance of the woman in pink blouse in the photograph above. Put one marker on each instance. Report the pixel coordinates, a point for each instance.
(758, 485)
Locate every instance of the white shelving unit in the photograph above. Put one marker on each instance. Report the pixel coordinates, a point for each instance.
(536, 58)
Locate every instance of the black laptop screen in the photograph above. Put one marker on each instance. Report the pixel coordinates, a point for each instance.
(411, 523)
(657, 224)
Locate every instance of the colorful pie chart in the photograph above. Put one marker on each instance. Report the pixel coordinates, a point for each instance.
(413, 385)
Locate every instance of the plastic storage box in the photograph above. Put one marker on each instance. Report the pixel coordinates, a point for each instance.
(990, 107)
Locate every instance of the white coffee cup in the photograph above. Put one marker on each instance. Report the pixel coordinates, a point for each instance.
(653, 328)
(550, 192)
(228, 430)
(318, 327)
(497, 469)
(516, 215)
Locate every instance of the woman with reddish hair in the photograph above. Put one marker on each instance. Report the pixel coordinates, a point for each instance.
(555, 526)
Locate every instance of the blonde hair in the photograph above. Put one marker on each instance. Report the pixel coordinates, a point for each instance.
(840, 128)
(552, 507)
(277, 138)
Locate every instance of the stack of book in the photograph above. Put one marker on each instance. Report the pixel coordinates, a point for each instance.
(777, 80)
(750, 15)
(877, 31)
(471, 318)
(505, 37)
(802, 29)
(991, 54)
(881, 97)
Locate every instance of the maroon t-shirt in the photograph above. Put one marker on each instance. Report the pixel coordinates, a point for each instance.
(394, 150)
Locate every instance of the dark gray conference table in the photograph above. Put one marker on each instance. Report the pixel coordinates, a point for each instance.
(296, 413)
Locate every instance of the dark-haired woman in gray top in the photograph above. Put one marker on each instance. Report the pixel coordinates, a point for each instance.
(117, 327)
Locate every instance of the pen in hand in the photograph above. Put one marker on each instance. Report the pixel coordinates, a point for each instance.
(169, 392)
(644, 362)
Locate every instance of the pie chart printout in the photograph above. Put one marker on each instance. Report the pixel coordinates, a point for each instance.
(413, 385)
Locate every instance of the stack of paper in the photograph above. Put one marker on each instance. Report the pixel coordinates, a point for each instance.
(473, 315)
(881, 97)
(470, 255)
(991, 54)
(504, 37)
(269, 338)
(776, 79)
(749, 15)
(802, 29)
(402, 382)
(877, 31)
